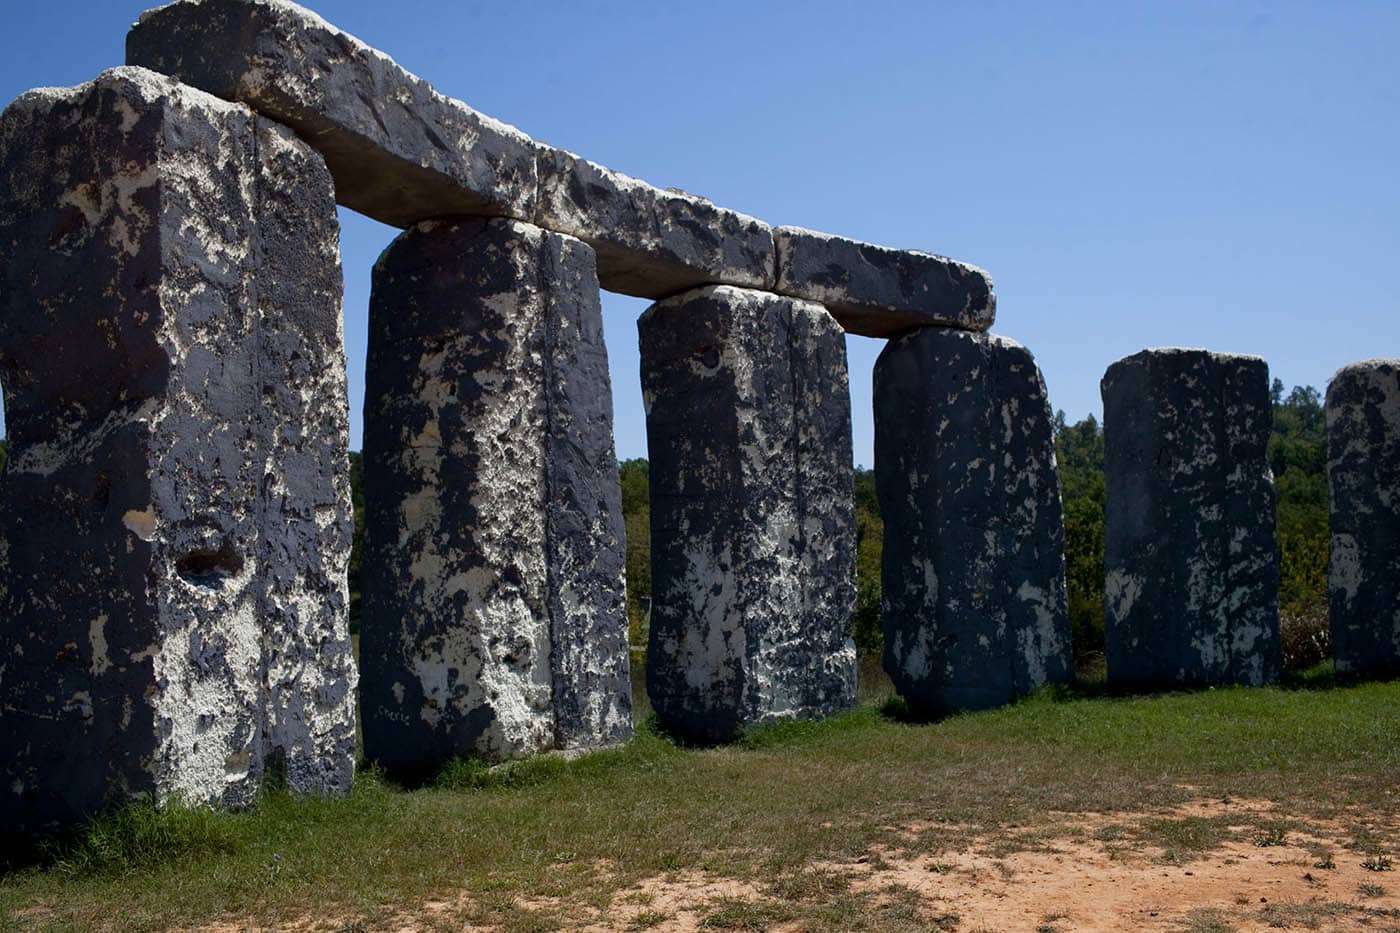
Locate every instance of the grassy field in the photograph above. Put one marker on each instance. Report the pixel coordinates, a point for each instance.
(548, 843)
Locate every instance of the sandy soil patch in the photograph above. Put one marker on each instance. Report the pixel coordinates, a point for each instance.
(1089, 873)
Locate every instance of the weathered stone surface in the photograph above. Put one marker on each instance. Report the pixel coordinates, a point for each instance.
(400, 152)
(881, 292)
(172, 593)
(973, 564)
(1363, 473)
(1191, 567)
(651, 242)
(752, 514)
(494, 620)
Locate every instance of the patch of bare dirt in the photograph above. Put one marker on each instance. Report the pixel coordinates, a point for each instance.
(1075, 872)
(1087, 883)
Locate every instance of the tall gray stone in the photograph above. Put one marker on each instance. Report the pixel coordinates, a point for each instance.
(1363, 474)
(1190, 554)
(172, 563)
(752, 511)
(494, 617)
(973, 564)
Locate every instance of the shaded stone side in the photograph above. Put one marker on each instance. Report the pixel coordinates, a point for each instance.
(651, 242)
(752, 512)
(1363, 478)
(400, 151)
(587, 545)
(973, 565)
(307, 522)
(494, 621)
(877, 291)
(147, 639)
(1190, 554)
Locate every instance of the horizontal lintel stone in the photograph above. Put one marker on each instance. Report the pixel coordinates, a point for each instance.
(399, 151)
(877, 291)
(403, 153)
(651, 242)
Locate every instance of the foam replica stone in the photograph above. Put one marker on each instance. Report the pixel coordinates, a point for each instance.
(400, 152)
(1363, 472)
(651, 242)
(176, 501)
(881, 292)
(1191, 584)
(973, 565)
(494, 616)
(752, 513)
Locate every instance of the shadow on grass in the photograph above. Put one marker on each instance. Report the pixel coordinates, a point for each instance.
(1320, 678)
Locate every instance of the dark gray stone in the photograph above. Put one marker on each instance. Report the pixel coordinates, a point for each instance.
(973, 563)
(494, 618)
(651, 242)
(400, 152)
(172, 592)
(1363, 473)
(1190, 559)
(881, 292)
(752, 512)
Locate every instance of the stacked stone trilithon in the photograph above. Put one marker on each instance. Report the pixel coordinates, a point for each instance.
(494, 618)
(1363, 473)
(752, 517)
(974, 575)
(176, 398)
(177, 518)
(1191, 565)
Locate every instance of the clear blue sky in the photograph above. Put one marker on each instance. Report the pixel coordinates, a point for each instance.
(1210, 174)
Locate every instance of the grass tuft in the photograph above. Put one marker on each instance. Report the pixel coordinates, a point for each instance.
(140, 835)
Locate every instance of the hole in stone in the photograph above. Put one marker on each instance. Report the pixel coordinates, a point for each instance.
(204, 567)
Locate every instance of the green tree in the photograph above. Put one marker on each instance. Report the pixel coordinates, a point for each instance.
(1298, 457)
(1079, 453)
(866, 625)
(636, 516)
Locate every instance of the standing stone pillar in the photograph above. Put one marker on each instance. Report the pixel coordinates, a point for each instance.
(973, 565)
(177, 517)
(752, 511)
(1363, 476)
(494, 608)
(1190, 553)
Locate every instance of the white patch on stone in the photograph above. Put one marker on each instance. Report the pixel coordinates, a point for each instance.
(97, 638)
(1346, 575)
(141, 523)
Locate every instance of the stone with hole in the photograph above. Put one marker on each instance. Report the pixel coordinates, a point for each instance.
(172, 564)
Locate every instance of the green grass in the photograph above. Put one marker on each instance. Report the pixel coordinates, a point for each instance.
(530, 845)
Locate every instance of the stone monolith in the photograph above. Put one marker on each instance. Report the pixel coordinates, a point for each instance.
(494, 615)
(1363, 473)
(177, 516)
(1190, 559)
(752, 515)
(973, 564)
